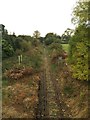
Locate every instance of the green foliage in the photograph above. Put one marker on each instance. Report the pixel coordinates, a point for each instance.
(7, 49)
(80, 12)
(78, 54)
(11, 44)
(41, 39)
(54, 67)
(48, 41)
(35, 42)
(18, 41)
(11, 40)
(25, 37)
(82, 99)
(9, 63)
(25, 46)
(80, 69)
(4, 83)
(36, 62)
(66, 36)
(78, 50)
(51, 37)
(82, 95)
(65, 47)
(68, 91)
(55, 46)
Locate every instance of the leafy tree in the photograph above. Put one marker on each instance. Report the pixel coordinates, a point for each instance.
(81, 12)
(57, 47)
(26, 38)
(7, 49)
(36, 38)
(10, 39)
(51, 37)
(66, 35)
(18, 41)
(25, 46)
(36, 34)
(42, 39)
(79, 44)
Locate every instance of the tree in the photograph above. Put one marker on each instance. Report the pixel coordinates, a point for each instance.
(79, 45)
(42, 39)
(81, 12)
(36, 38)
(66, 35)
(36, 34)
(51, 37)
(7, 49)
(26, 37)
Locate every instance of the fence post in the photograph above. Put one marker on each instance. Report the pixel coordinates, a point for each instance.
(19, 59)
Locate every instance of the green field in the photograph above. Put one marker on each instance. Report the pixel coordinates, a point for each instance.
(65, 47)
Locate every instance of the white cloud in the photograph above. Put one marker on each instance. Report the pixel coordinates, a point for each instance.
(25, 16)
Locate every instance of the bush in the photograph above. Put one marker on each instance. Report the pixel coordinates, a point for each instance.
(68, 91)
(78, 53)
(7, 49)
(25, 46)
(56, 46)
(36, 61)
(48, 41)
(80, 68)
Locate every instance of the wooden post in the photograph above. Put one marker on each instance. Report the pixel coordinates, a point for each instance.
(60, 60)
(19, 59)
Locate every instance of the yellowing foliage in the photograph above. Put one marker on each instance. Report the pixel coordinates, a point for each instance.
(80, 68)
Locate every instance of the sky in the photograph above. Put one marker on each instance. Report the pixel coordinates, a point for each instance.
(26, 16)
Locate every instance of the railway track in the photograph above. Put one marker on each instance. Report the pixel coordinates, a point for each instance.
(51, 104)
(64, 111)
(42, 108)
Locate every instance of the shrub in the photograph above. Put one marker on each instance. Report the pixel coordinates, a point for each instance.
(7, 49)
(25, 46)
(78, 53)
(48, 41)
(80, 69)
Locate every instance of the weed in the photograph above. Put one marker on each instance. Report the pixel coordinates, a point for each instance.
(54, 67)
(4, 83)
(82, 96)
(68, 91)
(36, 62)
(81, 99)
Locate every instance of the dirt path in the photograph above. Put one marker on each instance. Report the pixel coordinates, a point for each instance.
(50, 104)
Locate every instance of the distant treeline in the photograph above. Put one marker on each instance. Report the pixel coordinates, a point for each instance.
(12, 43)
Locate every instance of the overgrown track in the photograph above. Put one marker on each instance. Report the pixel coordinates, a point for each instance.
(64, 111)
(49, 95)
(42, 108)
